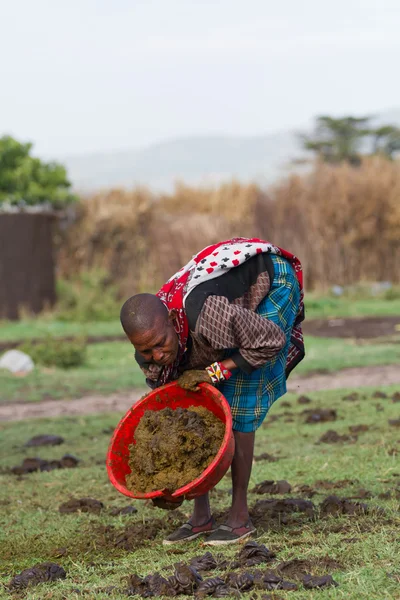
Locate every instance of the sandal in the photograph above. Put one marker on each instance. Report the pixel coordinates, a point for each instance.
(230, 535)
(188, 532)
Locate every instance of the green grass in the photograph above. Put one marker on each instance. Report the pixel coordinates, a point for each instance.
(332, 354)
(329, 307)
(43, 326)
(317, 307)
(111, 367)
(366, 547)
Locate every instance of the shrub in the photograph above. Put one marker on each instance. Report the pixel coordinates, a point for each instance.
(53, 352)
(89, 296)
(343, 223)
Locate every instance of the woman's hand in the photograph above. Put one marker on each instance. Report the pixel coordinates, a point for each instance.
(190, 379)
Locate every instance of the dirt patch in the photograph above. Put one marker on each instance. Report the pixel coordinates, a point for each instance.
(30, 465)
(84, 505)
(394, 422)
(90, 404)
(346, 378)
(44, 440)
(40, 573)
(173, 447)
(358, 328)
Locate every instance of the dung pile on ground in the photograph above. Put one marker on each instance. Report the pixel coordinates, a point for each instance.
(332, 505)
(319, 415)
(353, 397)
(125, 510)
(395, 493)
(304, 400)
(40, 573)
(265, 512)
(299, 568)
(85, 505)
(173, 447)
(379, 394)
(272, 487)
(253, 554)
(44, 440)
(131, 537)
(305, 490)
(332, 437)
(30, 465)
(265, 456)
(185, 580)
(331, 485)
(239, 578)
(204, 563)
(358, 428)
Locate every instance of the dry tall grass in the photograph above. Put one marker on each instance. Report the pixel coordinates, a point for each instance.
(343, 223)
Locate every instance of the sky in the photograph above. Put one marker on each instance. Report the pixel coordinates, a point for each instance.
(84, 76)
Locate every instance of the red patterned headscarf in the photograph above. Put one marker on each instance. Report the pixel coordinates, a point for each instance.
(213, 262)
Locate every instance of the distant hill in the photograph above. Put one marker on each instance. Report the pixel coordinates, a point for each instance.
(194, 160)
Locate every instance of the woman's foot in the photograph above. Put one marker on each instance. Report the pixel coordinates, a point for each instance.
(225, 534)
(188, 532)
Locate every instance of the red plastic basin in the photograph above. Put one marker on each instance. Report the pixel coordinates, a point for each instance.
(172, 396)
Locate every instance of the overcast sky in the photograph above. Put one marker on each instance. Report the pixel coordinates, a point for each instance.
(81, 76)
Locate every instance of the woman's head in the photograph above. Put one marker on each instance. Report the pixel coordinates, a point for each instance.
(150, 328)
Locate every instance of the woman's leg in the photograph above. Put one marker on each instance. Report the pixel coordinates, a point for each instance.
(241, 470)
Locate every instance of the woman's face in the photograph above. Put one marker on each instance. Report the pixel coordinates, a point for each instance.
(159, 345)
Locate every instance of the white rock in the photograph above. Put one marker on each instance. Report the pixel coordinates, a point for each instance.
(16, 362)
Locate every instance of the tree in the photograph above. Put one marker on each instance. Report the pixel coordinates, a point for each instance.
(25, 180)
(346, 139)
(338, 140)
(386, 140)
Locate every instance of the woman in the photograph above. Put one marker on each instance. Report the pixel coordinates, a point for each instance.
(231, 317)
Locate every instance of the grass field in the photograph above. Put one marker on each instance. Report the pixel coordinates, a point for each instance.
(361, 551)
(317, 307)
(110, 367)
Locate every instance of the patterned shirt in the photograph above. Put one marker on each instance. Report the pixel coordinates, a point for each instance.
(224, 325)
(222, 317)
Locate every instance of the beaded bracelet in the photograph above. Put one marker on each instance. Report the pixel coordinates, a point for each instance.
(218, 372)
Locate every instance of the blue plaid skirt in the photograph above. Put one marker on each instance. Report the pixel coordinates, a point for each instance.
(251, 396)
